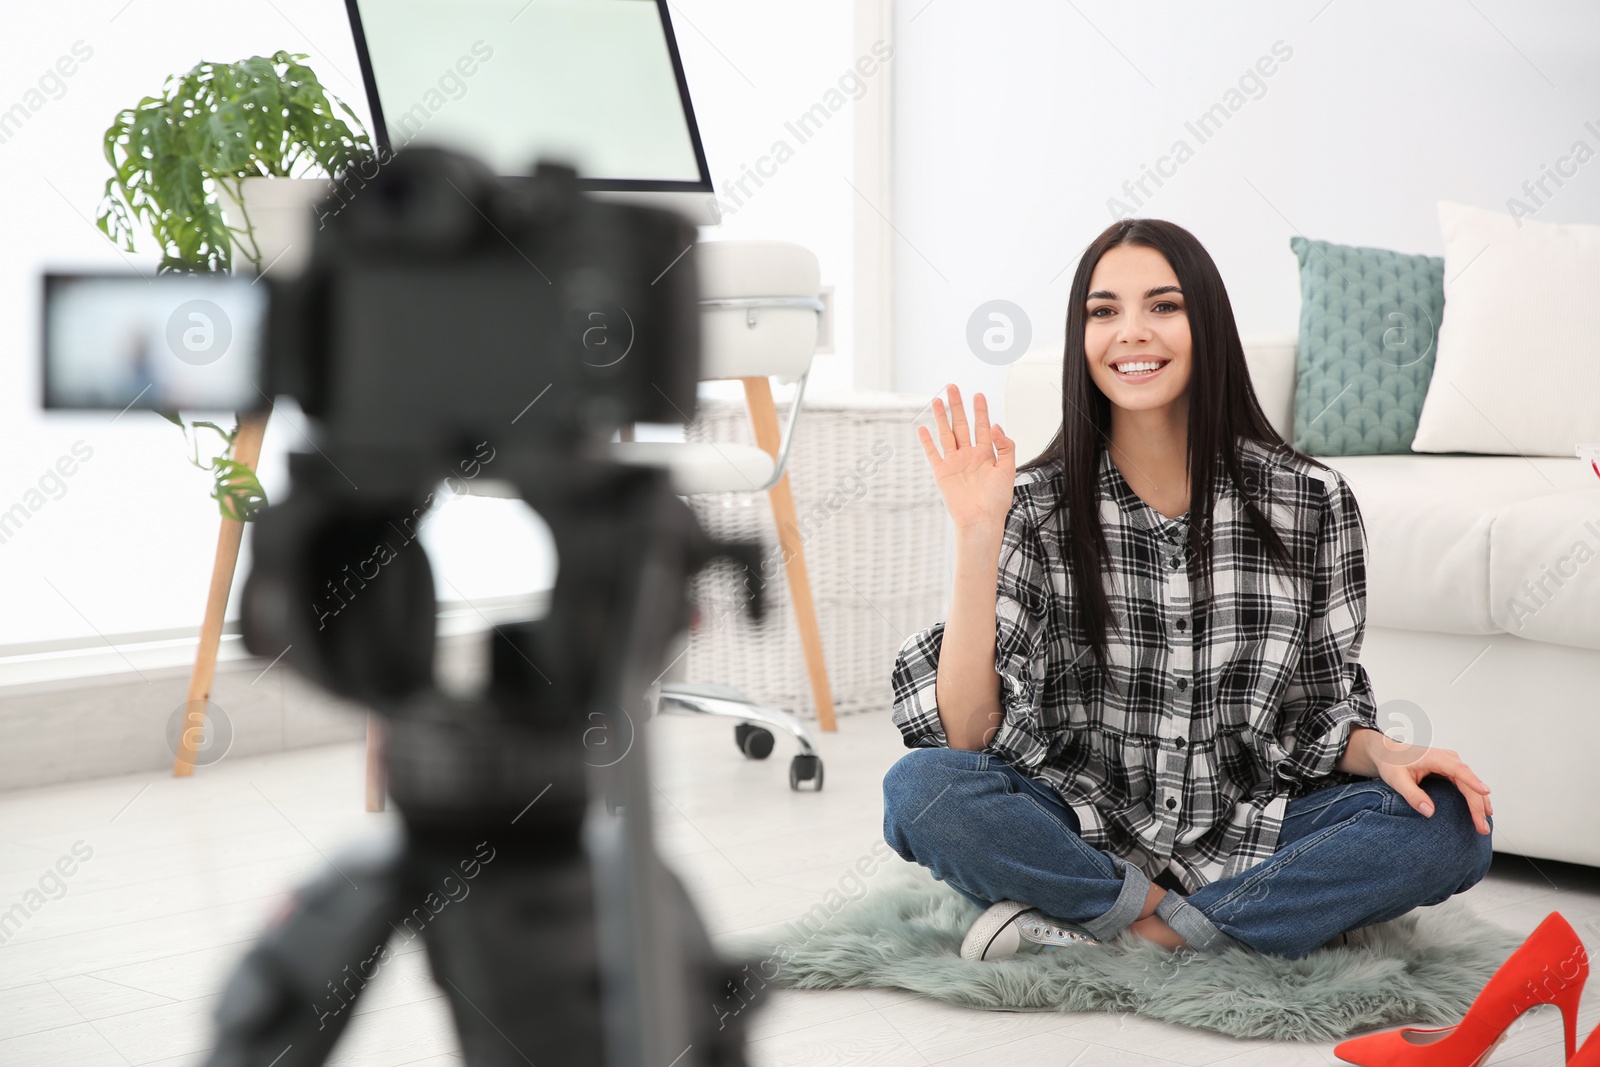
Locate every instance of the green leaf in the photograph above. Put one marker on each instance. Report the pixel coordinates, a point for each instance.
(238, 491)
(173, 154)
(227, 437)
(169, 154)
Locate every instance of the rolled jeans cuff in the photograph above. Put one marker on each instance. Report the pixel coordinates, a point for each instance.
(1189, 923)
(1130, 902)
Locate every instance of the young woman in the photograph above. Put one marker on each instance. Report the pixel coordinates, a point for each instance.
(1145, 712)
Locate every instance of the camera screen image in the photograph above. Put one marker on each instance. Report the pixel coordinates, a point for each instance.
(179, 342)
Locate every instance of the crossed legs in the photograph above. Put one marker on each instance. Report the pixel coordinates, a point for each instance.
(1348, 856)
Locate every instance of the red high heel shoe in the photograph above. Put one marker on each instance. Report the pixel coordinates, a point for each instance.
(1549, 968)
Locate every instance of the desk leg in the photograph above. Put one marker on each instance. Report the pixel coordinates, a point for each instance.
(764, 419)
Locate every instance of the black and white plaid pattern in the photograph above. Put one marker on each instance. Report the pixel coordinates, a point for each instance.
(1226, 710)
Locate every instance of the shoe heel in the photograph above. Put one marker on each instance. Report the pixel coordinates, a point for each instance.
(1589, 1054)
(1550, 968)
(1567, 1000)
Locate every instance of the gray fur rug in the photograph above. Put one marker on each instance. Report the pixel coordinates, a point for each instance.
(904, 932)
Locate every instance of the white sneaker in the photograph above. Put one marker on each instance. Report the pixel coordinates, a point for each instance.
(1005, 927)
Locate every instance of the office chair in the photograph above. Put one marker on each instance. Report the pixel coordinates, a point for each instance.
(760, 311)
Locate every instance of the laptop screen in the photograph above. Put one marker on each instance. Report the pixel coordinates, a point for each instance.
(595, 84)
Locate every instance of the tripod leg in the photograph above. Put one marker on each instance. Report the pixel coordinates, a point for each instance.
(515, 954)
(289, 999)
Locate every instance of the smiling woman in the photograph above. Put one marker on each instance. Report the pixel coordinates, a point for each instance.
(1155, 786)
(1131, 341)
(1147, 291)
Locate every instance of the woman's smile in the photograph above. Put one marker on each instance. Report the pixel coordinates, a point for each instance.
(1139, 369)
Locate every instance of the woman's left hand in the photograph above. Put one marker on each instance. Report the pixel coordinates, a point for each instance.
(1403, 766)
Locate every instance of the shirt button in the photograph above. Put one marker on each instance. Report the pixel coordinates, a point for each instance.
(1183, 624)
(1172, 802)
(1174, 562)
(1183, 683)
(1178, 741)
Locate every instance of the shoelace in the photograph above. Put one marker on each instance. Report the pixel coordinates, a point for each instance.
(1042, 931)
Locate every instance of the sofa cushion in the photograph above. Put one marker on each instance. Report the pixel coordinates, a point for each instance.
(1432, 526)
(1544, 568)
(1519, 360)
(1368, 321)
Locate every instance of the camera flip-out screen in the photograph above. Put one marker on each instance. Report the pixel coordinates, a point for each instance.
(182, 343)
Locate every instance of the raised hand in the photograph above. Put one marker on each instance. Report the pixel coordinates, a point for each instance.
(977, 469)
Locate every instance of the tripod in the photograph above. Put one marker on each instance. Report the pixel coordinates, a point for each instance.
(556, 932)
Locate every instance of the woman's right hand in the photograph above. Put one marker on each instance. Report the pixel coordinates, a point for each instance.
(976, 472)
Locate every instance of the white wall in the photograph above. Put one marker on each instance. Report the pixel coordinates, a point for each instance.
(1017, 121)
(128, 546)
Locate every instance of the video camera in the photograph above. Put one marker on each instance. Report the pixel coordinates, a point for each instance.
(441, 309)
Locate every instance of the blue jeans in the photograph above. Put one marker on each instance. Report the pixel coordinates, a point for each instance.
(1348, 856)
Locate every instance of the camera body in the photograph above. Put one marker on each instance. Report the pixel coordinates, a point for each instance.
(443, 300)
(440, 300)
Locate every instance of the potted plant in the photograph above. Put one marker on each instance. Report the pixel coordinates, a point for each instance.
(185, 164)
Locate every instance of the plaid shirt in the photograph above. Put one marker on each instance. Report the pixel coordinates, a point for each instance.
(1226, 711)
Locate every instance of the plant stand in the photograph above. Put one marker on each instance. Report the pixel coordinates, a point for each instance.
(246, 450)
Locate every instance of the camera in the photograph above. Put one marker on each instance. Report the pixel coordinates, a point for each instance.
(439, 292)
(443, 310)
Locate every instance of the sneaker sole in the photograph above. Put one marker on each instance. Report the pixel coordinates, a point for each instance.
(975, 946)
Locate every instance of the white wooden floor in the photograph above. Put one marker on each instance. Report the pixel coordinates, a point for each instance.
(121, 961)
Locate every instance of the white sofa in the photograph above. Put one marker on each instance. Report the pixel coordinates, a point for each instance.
(1454, 662)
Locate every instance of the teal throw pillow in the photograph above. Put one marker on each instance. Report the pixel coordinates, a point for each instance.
(1369, 325)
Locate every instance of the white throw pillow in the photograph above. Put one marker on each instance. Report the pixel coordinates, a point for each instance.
(1518, 366)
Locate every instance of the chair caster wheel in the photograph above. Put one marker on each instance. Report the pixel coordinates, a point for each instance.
(805, 768)
(754, 741)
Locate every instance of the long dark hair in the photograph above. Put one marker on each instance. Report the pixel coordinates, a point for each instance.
(1222, 410)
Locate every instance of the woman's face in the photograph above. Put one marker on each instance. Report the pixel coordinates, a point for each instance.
(1136, 314)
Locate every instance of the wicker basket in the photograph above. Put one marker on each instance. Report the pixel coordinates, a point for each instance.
(877, 551)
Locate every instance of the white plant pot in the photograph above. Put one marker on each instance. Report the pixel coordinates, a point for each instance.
(282, 212)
